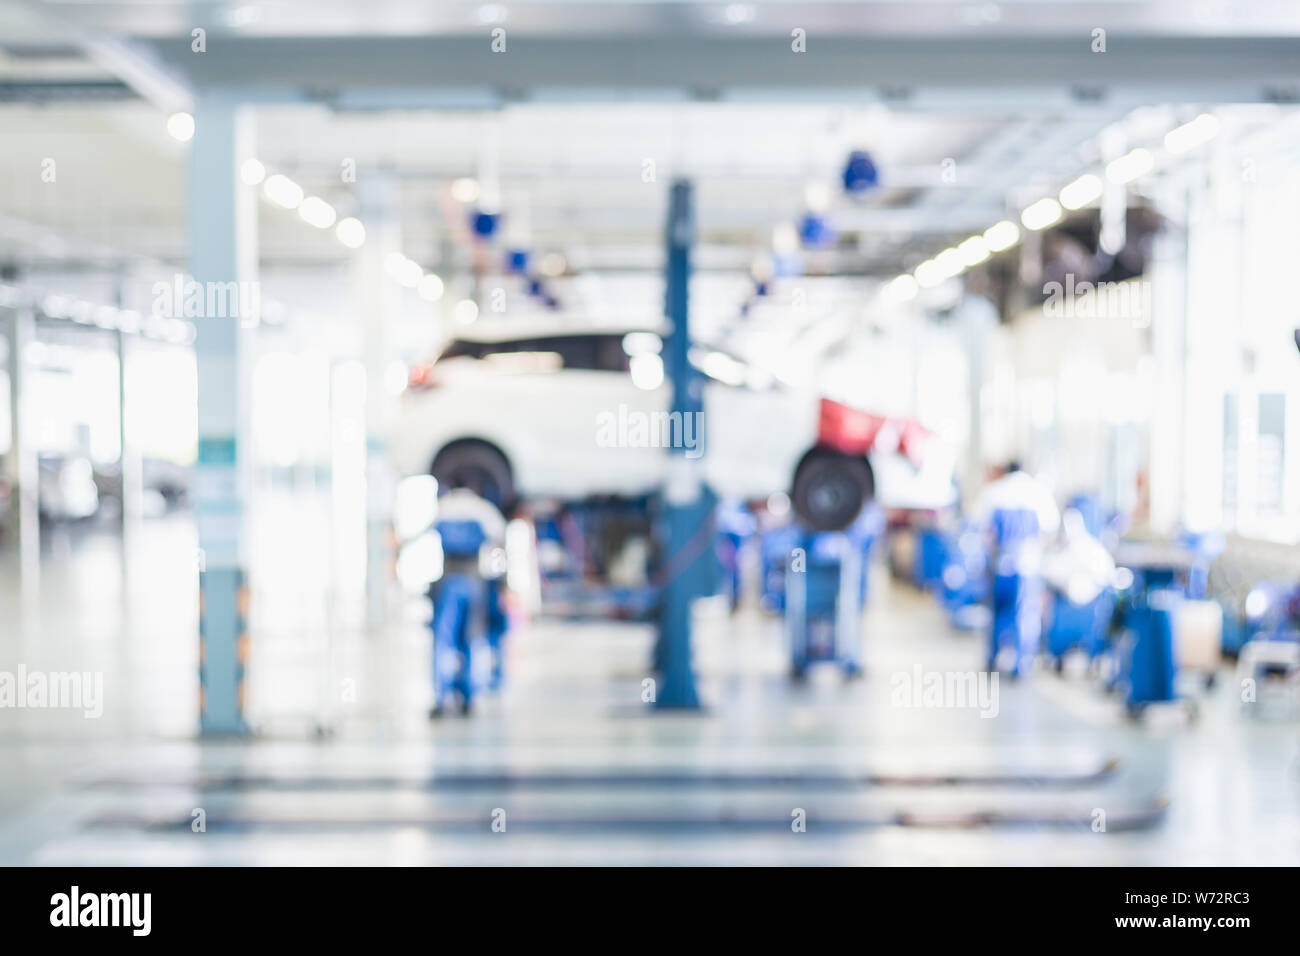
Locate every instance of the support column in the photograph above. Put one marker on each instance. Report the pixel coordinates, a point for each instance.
(21, 466)
(978, 317)
(376, 307)
(223, 249)
(1168, 275)
(129, 462)
(687, 510)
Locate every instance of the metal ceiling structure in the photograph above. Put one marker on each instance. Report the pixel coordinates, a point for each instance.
(585, 93)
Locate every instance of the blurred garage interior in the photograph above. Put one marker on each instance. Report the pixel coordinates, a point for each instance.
(276, 278)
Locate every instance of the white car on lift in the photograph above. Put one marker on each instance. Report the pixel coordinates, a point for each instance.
(528, 411)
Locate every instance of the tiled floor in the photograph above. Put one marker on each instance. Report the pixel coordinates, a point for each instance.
(346, 769)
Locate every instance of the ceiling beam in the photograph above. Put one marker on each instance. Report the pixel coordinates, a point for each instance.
(1160, 68)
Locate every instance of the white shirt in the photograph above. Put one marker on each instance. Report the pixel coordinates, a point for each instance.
(1019, 490)
(1015, 491)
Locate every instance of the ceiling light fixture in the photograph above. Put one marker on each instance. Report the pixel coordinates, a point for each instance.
(282, 191)
(464, 190)
(429, 288)
(902, 289)
(1082, 191)
(252, 172)
(1190, 135)
(973, 251)
(928, 274)
(181, 126)
(1002, 235)
(1130, 166)
(317, 212)
(1041, 214)
(465, 312)
(351, 232)
(950, 263)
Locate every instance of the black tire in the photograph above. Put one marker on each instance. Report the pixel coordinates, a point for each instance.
(480, 468)
(830, 490)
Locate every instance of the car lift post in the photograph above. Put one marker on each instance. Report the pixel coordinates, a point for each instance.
(685, 504)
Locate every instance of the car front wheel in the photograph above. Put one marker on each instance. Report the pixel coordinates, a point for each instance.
(830, 490)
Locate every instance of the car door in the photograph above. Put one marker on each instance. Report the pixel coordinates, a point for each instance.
(754, 438)
(595, 421)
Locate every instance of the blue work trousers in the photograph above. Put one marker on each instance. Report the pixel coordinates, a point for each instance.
(458, 611)
(1017, 619)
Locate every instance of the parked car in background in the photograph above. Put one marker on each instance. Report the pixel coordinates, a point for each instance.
(570, 414)
(66, 488)
(163, 487)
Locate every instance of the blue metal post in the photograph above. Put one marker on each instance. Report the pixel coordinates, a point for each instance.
(686, 511)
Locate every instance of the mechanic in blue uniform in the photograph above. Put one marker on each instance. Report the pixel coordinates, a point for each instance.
(470, 528)
(1016, 512)
(736, 525)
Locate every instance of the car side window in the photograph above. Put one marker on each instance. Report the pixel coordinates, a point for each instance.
(610, 355)
(462, 349)
(576, 351)
(598, 353)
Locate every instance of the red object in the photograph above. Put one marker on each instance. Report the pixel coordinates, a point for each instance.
(912, 441)
(855, 432)
(847, 430)
(421, 378)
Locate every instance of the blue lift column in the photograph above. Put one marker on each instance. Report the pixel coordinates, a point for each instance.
(687, 508)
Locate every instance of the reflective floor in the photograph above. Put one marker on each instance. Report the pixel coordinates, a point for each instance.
(567, 765)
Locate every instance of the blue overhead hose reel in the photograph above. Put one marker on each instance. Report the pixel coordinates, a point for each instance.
(517, 262)
(484, 224)
(860, 173)
(815, 232)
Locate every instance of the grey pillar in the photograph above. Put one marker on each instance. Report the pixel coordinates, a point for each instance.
(128, 455)
(223, 249)
(376, 306)
(978, 317)
(21, 465)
